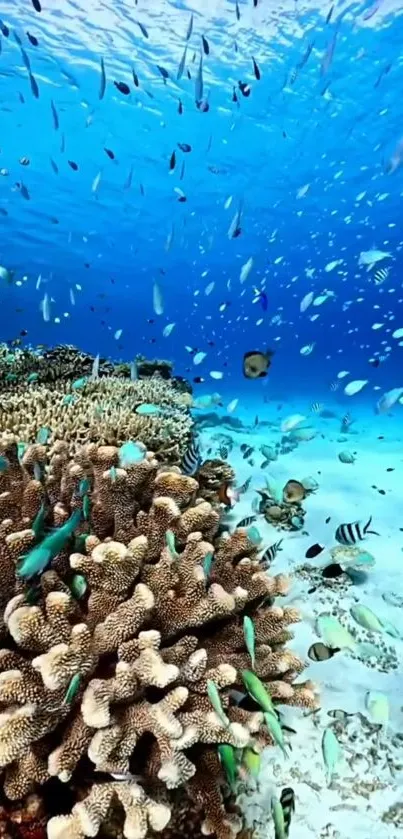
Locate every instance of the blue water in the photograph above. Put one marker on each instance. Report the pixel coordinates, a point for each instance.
(332, 123)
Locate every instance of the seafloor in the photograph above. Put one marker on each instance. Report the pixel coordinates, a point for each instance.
(365, 798)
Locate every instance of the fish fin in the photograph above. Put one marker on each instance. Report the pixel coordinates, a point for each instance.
(262, 375)
(372, 532)
(368, 524)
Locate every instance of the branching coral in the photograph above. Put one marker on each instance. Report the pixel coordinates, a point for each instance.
(110, 678)
(101, 411)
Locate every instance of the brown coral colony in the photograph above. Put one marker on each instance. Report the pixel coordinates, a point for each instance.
(108, 650)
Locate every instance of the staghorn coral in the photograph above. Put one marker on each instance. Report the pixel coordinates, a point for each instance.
(115, 681)
(101, 411)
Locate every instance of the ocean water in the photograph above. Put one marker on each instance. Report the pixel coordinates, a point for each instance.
(102, 212)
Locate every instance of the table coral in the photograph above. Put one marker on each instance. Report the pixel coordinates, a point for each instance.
(107, 690)
(102, 411)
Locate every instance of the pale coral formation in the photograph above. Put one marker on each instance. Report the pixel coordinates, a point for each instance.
(102, 411)
(104, 685)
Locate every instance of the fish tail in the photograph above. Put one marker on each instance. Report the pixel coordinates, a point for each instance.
(372, 532)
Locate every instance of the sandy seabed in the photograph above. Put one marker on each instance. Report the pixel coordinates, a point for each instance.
(364, 799)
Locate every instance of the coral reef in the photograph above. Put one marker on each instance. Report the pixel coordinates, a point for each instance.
(101, 411)
(215, 477)
(108, 654)
(282, 508)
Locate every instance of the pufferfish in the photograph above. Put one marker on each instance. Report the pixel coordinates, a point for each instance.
(256, 363)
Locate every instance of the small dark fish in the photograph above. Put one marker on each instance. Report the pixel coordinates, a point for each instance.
(37, 6)
(24, 192)
(287, 801)
(329, 15)
(63, 144)
(122, 87)
(110, 153)
(34, 86)
(237, 12)
(246, 521)
(383, 73)
(248, 451)
(142, 28)
(255, 2)
(328, 520)
(55, 115)
(128, 182)
(184, 147)
(234, 96)
(244, 88)
(271, 553)
(191, 460)
(102, 85)
(351, 533)
(256, 70)
(180, 107)
(181, 66)
(206, 45)
(135, 77)
(314, 550)
(21, 98)
(190, 28)
(199, 83)
(24, 161)
(320, 652)
(4, 29)
(73, 165)
(54, 166)
(164, 72)
(182, 174)
(172, 162)
(188, 74)
(34, 41)
(332, 571)
(198, 380)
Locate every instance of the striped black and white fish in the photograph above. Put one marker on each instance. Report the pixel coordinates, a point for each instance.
(245, 486)
(191, 460)
(317, 407)
(346, 422)
(271, 553)
(287, 801)
(351, 533)
(381, 275)
(246, 521)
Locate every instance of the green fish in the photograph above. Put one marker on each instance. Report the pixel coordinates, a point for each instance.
(377, 704)
(207, 564)
(278, 819)
(41, 555)
(79, 543)
(84, 487)
(68, 399)
(86, 507)
(252, 761)
(21, 449)
(78, 586)
(257, 691)
(253, 534)
(215, 699)
(113, 474)
(227, 757)
(274, 726)
(79, 383)
(43, 435)
(11, 377)
(4, 464)
(39, 521)
(33, 377)
(366, 618)
(170, 543)
(249, 635)
(334, 634)
(73, 688)
(331, 752)
(148, 409)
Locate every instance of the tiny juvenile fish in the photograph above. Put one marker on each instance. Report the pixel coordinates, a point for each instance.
(215, 699)
(351, 533)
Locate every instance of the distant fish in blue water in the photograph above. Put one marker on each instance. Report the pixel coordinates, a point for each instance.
(256, 70)
(122, 87)
(317, 407)
(102, 85)
(206, 45)
(261, 297)
(190, 28)
(37, 6)
(199, 83)
(142, 28)
(32, 39)
(181, 65)
(381, 275)
(346, 422)
(191, 460)
(350, 534)
(54, 115)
